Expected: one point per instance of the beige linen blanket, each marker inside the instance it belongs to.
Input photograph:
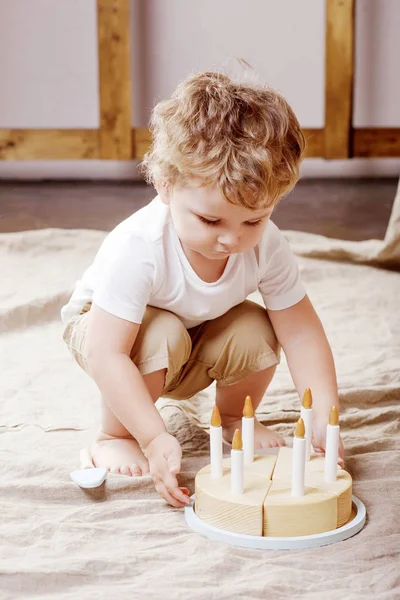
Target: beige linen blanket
(122, 541)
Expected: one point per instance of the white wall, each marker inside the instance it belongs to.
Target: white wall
(48, 55)
(283, 40)
(48, 66)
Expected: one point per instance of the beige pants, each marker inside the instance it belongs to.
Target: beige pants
(227, 349)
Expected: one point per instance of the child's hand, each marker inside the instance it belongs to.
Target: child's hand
(319, 440)
(164, 455)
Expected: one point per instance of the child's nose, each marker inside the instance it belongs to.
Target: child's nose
(228, 239)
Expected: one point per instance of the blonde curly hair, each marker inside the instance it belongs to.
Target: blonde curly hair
(243, 138)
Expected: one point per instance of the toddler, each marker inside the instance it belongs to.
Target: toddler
(163, 309)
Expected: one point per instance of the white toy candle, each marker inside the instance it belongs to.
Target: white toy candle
(332, 445)
(299, 459)
(216, 443)
(307, 414)
(237, 464)
(248, 431)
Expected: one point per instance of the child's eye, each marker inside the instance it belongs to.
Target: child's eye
(207, 221)
(253, 223)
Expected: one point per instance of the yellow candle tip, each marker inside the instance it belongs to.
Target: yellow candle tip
(300, 430)
(248, 410)
(307, 399)
(334, 416)
(215, 417)
(237, 440)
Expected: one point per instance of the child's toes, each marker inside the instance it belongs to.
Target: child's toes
(268, 444)
(125, 470)
(281, 442)
(144, 466)
(135, 470)
(115, 470)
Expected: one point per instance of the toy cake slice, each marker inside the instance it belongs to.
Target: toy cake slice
(216, 505)
(314, 477)
(287, 515)
(342, 488)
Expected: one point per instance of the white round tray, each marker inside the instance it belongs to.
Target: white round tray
(279, 543)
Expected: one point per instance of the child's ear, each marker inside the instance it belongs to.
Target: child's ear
(163, 190)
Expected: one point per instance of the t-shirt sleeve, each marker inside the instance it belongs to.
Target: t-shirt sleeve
(279, 278)
(127, 280)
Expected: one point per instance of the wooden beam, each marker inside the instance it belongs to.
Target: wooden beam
(141, 141)
(76, 144)
(339, 78)
(80, 144)
(376, 142)
(114, 79)
(314, 142)
(48, 144)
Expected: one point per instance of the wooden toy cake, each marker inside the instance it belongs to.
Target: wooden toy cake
(291, 494)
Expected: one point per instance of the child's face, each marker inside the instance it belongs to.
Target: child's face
(208, 224)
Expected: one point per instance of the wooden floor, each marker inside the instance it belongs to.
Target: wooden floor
(347, 209)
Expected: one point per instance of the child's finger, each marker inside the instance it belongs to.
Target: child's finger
(179, 494)
(171, 484)
(169, 498)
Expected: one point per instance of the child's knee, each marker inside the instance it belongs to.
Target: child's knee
(254, 326)
(250, 344)
(162, 343)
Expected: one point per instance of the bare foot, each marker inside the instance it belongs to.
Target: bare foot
(263, 437)
(119, 455)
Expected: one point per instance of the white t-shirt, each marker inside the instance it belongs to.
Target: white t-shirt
(141, 262)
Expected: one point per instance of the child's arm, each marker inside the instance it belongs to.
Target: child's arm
(108, 345)
(310, 361)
